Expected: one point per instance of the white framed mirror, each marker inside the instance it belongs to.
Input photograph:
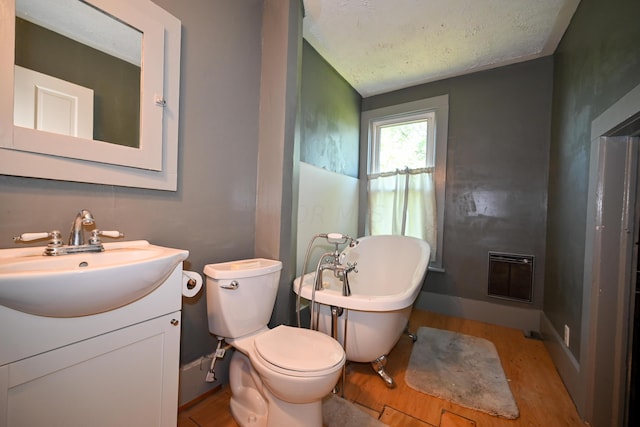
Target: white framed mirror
(101, 79)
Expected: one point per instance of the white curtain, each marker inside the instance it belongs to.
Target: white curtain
(403, 202)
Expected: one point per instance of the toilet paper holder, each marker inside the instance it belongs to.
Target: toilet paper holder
(191, 283)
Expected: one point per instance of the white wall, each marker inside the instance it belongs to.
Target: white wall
(328, 203)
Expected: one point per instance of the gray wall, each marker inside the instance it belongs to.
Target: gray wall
(330, 117)
(213, 212)
(597, 62)
(497, 166)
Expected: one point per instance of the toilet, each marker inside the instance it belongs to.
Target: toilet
(277, 376)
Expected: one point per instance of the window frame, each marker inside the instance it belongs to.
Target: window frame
(437, 106)
(412, 117)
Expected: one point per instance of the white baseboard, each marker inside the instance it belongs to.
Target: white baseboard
(192, 379)
(526, 319)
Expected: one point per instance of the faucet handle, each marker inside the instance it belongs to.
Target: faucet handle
(55, 235)
(351, 266)
(27, 237)
(95, 235)
(111, 233)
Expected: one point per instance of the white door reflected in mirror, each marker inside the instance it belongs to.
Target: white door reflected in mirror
(52, 105)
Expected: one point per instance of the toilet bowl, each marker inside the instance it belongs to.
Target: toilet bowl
(277, 376)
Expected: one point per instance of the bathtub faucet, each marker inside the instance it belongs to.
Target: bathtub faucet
(335, 261)
(331, 265)
(340, 271)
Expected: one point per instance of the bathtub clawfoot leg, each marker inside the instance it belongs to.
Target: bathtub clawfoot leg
(411, 335)
(378, 366)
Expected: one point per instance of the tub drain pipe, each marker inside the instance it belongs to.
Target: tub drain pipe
(336, 312)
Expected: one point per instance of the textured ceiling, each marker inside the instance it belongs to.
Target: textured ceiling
(383, 45)
(85, 24)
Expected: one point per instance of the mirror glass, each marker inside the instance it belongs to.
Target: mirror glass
(77, 72)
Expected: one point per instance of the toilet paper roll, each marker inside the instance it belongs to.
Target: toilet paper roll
(191, 283)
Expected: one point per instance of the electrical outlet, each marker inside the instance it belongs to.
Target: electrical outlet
(566, 335)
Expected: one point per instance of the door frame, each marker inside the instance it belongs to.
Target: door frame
(609, 249)
(611, 232)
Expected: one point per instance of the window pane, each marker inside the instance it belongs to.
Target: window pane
(403, 145)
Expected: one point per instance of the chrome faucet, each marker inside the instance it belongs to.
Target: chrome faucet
(321, 268)
(76, 236)
(334, 261)
(342, 271)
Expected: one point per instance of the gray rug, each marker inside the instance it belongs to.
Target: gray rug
(460, 368)
(338, 412)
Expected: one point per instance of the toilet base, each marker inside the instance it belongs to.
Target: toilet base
(279, 414)
(282, 413)
(253, 405)
(245, 416)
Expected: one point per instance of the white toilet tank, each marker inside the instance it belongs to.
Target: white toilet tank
(241, 295)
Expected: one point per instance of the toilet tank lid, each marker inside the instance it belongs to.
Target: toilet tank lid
(242, 268)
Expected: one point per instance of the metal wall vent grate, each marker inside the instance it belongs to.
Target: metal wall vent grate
(511, 276)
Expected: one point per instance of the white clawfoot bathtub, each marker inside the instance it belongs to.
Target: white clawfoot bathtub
(390, 273)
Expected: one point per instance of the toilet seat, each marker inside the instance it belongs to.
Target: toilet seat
(298, 351)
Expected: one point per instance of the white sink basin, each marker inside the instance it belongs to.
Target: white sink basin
(86, 283)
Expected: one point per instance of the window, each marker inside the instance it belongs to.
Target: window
(402, 142)
(404, 183)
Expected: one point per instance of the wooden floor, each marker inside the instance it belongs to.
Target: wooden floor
(539, 393)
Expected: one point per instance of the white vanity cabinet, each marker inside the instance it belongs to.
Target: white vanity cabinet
(118, 368)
